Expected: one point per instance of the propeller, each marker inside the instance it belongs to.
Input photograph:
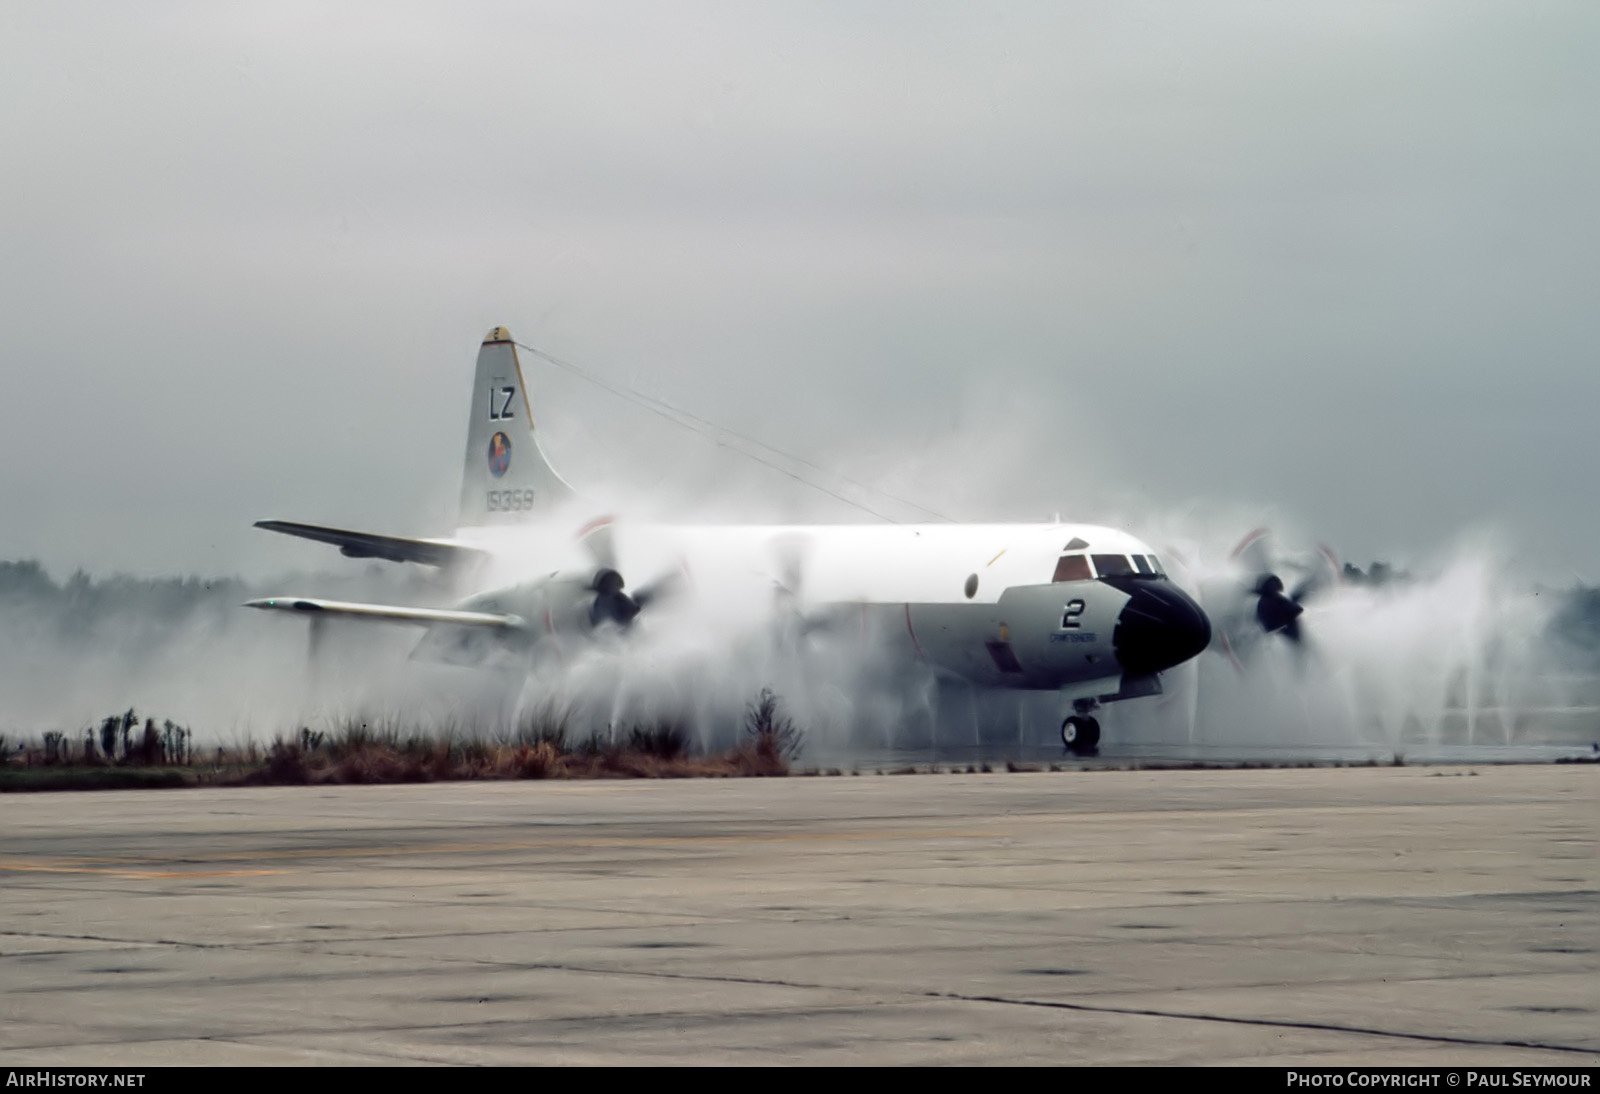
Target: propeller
(788, 554)
(598, 539)
(798, 617)
(1278, 608)
(612, 602)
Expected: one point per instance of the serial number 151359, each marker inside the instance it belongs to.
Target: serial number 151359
(510, 501)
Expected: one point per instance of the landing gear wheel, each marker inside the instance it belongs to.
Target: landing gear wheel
(1081, 735)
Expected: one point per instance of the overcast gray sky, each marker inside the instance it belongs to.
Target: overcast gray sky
(1333, 261)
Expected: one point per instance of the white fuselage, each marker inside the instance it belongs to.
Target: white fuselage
(979, 601)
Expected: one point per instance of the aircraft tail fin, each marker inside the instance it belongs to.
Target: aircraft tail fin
(506, 478)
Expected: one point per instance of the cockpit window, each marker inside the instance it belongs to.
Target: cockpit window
(1072, 568)
(1112, 565)
(1129, 566)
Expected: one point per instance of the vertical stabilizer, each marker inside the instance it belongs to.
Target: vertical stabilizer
(507, 478)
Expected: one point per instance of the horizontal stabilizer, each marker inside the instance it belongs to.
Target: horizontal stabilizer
(430, 552)
(422, 617)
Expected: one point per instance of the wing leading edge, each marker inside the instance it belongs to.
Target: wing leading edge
(444, 553)
(422, 617)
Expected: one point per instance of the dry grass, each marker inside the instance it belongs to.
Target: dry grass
(378, 751)
(361, 757)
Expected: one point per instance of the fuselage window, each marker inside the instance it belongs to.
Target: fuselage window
(1142, 564)
(1112, 565)
(1155, 564)
(1072, 568)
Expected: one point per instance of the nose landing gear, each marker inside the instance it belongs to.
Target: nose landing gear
(1081, 735)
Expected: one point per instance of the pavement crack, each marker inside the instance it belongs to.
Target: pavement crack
(1277, 1023)
(1090, 1008)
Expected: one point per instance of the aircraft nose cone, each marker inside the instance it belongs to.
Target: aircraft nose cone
(1160, 626)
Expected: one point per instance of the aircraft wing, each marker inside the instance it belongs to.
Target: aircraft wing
(422, 617)
(429, 552)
